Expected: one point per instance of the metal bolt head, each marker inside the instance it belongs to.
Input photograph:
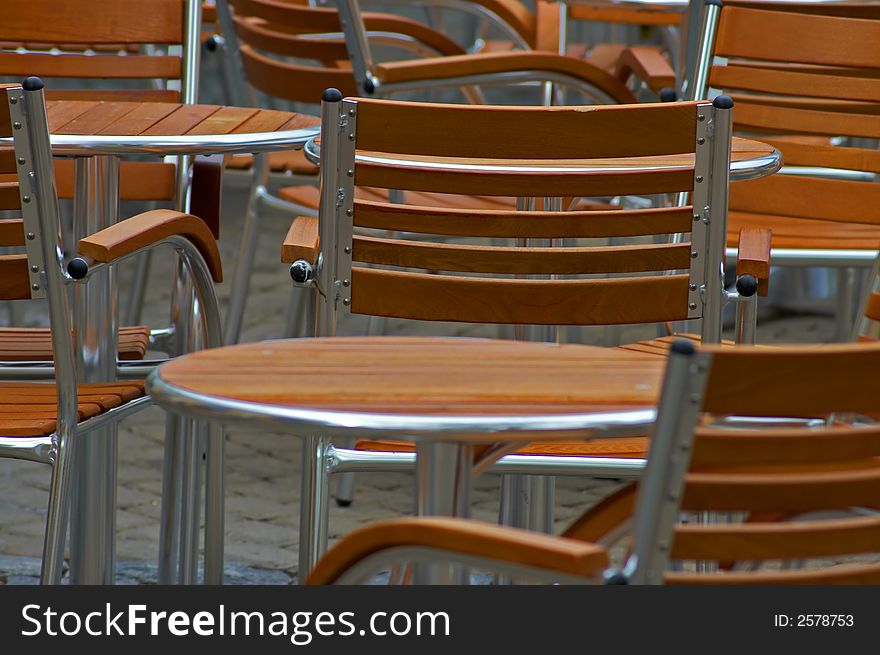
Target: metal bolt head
(351, 136)
(25, 198)
(351, 112)
(13, 100)
(16, 125)
(21, 161)
(701, 117)
(346, 301)
(699, 178)
(346, 283)
(348, 212)
(701, 141)
(692, 287)
(350, 173)
(35, 287)
(35, 268)
(347, 250)
(696, 217)
(31, 236)
(692, 305)
(694, 254)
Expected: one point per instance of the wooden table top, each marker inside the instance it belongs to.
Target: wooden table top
(114, 118)
(418, 375)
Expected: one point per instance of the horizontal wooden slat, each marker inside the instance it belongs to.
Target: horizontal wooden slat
(808, 197)
(11, 232)
(793, 82)
(804, 492)
(535, 261)
(554, 182)
(781, 540)
(89, 22)
(791, 232)
(9, 195)
(113, 95)
(795, 153)
(541, 302)
(806, 121)
(552, 133)
(787, 36)
(780, 381)
(305, 19)
(14, 281)
(90, 66)
(293, 81)
(528, 225)
(719, 447)
(138, 180)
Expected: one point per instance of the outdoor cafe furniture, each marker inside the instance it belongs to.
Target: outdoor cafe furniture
(789, 505)
(565, 152)
(47, 422)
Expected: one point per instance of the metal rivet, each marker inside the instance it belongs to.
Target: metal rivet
(21, 161)
(699, 178)
(701, 117)
(13, 100)
(347, 250)
(351, 112)
(693, 287)
(701, 141)
(346, 301)
(692, 305)
(351, 137)
(350, 172)
(16, 125)
(346, 283)
(25, 198)
(696, 217)
(35, 268)
(348, 212)
(31, 236)
(35, 287)
(694, 254)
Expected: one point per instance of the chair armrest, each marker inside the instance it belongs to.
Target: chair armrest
(302, 241)
(206, 191)
(462, 66)
(143, 230)
(462, 537)
(442, 44)
(647, 64)
(753, 256)
(514, 14)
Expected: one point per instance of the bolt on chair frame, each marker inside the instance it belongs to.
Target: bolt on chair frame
(49, 277)
(328, 269)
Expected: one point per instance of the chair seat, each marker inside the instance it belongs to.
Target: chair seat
(30, 409)
(791, 232)
(35, 344)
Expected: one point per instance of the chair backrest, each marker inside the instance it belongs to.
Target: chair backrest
(804, 77)
(292, 50)
(825, 476)
(36, 273)
(543, 153)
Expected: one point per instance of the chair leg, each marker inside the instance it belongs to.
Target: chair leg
(56, 516)
(314, 506)
(243, 268)
(214, 505)
(172, 484)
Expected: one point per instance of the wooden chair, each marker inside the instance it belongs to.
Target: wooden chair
(113, 51)
(822, 480)
(290, 51)
(812, 95)
(42, 422)
(560, 152)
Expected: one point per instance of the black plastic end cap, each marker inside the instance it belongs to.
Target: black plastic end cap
(616, 578)
(300, 271)
(369, 86)
(331, 95)
(211, 43)
(746, 286)
(723, 102)
(683, 347)
(343, 502)
(668, 94)
(32, 83)
(77, 268)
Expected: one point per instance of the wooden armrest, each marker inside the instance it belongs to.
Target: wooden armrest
(302, 241)
(462, 537)
(438, 68)
(418, 31)
(515, 14)
(753, 256)
(648, 64)
(148, 228)
(206, 191)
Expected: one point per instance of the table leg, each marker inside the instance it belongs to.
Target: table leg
(314, 503)
(93, 519)
(443, 476)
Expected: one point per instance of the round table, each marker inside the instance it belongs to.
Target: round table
(446, 394)
(97, 134)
